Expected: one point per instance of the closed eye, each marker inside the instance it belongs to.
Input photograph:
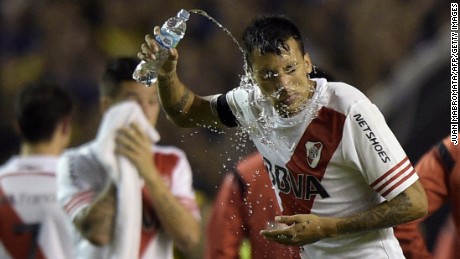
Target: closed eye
(290, 69)
(269, 75)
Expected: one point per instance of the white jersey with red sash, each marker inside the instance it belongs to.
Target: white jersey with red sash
(81, 178)
(32, 222)
(336, 158)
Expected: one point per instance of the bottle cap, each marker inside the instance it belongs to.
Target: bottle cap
(184, 14)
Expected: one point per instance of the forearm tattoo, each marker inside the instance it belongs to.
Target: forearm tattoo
(385, 215)
(178, 108)
(174, 108)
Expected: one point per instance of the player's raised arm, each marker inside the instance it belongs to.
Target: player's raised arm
(183, 107)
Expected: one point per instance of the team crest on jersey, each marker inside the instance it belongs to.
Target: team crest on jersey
(313, 150)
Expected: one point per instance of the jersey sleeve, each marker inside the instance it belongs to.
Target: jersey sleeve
(238, 101)
(219, 105)
(371, 147)
(225, 228)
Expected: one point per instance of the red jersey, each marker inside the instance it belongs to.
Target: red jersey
(440, 176)
(243, 207)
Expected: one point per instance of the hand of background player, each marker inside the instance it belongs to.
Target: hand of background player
(134, 143)
(301, 229)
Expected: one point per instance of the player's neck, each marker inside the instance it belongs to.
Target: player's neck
(312, 87)
(28, 149)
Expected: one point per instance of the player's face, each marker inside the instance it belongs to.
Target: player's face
(283, 78)
(146, 97)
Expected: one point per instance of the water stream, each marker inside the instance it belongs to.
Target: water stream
(265, 123)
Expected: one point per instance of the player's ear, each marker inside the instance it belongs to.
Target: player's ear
(308, 63)
(66, 124)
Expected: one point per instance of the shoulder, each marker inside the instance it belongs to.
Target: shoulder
(8, 165)
(82, 150)
(250, 164)
(76, 155)
(169, 154)
(168, 150)
(251, 169)
(344, 90)
(343, 97)
(242, 95)
(79, 159)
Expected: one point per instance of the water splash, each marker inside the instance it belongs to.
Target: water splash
(263, 126)
(203, 13)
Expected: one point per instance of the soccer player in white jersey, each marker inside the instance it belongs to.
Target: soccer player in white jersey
(32, 222)
(341, 178)
(170, 214)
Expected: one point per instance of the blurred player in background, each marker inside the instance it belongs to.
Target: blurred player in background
(245, 205)
(169, 211)
(32, 222)
(439, 173)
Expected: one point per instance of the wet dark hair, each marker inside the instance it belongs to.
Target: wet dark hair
(117, 70)
(39, 108)
(269, 35)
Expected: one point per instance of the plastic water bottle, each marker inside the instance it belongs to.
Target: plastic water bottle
(172, 31)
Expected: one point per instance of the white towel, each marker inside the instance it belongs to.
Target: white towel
(127, 232)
